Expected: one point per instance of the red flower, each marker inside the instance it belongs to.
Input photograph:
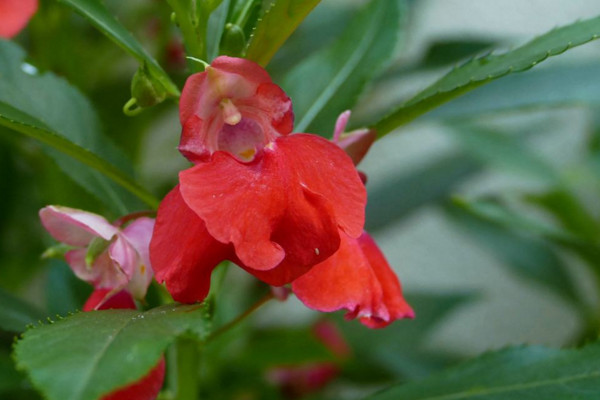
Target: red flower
(272, 202)
(357, 278)
(14, 15)
(146, 388)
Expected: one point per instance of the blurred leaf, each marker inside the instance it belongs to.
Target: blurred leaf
(400, 349)
(339, 72)
(506, 151)
(99, 16)
(16, 314)
(529, 257)
(555, 86)
(65, 293)
(48, 109)
(402, 194)
(483, 70)
(570, 212)
(13, 385)
(216, 25)
(517, 373)
(446, 52)
(86, 355)
(275, 26)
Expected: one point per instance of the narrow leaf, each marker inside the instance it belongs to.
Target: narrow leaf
(100, 17)
(276, 25)
(61, 117)
(87, 355)
(485, 69)
(404, 193)
(557, 86)
(504, 234)
(330, 81)
(517, 373)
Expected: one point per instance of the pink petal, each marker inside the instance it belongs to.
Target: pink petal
(75, 227)
(182, 252)
(103, 274)
(138, 235)
(340, 125)
(358, 279)
(14, 15)
(357, 143)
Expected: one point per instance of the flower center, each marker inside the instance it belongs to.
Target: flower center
(243, 140)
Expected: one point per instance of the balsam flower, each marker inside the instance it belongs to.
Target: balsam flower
(357, 277)
(148, 387)
(103, 254)
(14, 15)
(272, 202)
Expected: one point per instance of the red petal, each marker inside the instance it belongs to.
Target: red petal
(286, 203)
(392, 291)
(182, 252)
(357, 278)
(120, 300)
(14, 15)
(324, 168)
(246, 68)
(145, 389)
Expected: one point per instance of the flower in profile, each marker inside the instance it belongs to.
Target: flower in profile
(101, 253)
(273, 202)
(146, 388)
(14, 15)
(357, 277)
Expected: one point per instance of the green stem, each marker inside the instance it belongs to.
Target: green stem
(187, 363)
(240, 317)
(192, 28)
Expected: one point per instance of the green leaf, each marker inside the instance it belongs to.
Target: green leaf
(330, 81)
(276, 25)
(485, 69)
(48, 109)
(517, 373)
(402, 194)
(16, 314)
(101, 18)
(561, 85)
(89, 354)
(502, 233)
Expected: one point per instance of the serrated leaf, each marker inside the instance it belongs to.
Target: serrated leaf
(48, 109)
(275, 26)
(100, 17)
(86, 355)
(562, 85)
(338, 73)
(16, 314)
(485, 69)
(517, 373)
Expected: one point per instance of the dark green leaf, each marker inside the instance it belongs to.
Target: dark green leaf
(275, 26)
(531, 258)
(451, 51)
(58, 115)
(403, 194)
(339, 72)
(65, 293)
(485, 69)
(98, 15)
(518, 373)
(86, 355)
(16, 314)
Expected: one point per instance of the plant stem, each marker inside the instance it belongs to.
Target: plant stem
(240, 317)
(188, 362)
